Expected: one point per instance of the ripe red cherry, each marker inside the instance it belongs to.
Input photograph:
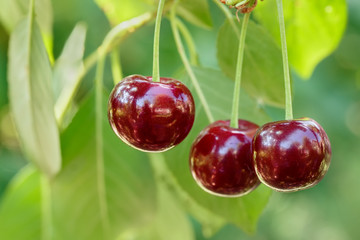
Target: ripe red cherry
(151, 116)
(221, 160)
(291, 155)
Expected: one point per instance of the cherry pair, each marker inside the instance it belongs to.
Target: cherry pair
(287, 156)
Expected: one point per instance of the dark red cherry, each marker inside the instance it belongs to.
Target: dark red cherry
(151, 116)
(291, 155)
(221, 160)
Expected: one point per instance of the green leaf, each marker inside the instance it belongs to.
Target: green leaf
(31, 99)
(129, 182)
(195, 12)
(67, 69)
(118, 11)
(210, 222)
(348, 52)
(170, 220)
(169, 214)
(244, 211)
(263, 76)
(13, 11)
(313, 29)
(20, 211)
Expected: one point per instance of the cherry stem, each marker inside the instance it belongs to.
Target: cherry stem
(116, 66)
(194, 58)
(156, 68)
(238, 74)
(174, 26)
(100, 171)
(288, 97)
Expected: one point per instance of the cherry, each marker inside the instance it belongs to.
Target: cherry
(151, 116)
(221, 160)
(291, 155)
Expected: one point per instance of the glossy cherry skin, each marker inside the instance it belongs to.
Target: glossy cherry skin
(291, 155)
(151, 116)
(221, 160)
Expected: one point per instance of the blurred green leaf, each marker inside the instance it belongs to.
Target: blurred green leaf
(13, 11)
(169, 214)
(348, 52)
(263, 76)
(244, 211)
(218, 90)
(68, 67)
(129, 182)
(118, 11)
(210, 222)
(195, 12)
(170, 220)
(10, 163)
(30, 95)
(172, 216)
(20, 211)
(313, 29)
(3, 65)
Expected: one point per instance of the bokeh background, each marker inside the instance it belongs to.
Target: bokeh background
(330, 211)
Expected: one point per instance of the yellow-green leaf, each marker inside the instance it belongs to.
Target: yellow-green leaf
(314, 29)
(118, 11)
(31, 98)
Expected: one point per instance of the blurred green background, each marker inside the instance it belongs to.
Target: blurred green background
(331, 210)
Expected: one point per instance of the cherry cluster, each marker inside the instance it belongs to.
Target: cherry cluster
(228, 158)
(287, 155)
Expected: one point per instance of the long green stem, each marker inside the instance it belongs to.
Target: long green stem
(100, 145)
(156, 62)
(116, 66)
(288, 97)
(239, 66)
(194, 58)
(187, 65)
(46, 209)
